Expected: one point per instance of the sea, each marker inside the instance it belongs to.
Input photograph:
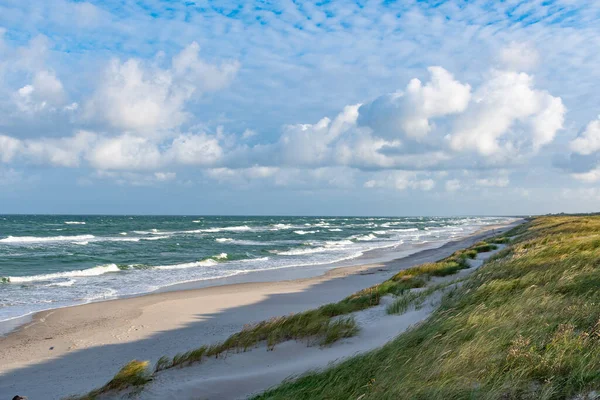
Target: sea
(53, 261)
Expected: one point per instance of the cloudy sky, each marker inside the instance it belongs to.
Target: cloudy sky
(291, 107)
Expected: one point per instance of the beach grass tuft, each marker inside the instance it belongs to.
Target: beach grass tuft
(134, 373)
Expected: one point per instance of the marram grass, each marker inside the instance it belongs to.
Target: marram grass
(524, 326)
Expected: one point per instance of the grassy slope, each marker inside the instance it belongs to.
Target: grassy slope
(525, 326)
(321, 325)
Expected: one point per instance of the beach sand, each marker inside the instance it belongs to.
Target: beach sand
(73, 350)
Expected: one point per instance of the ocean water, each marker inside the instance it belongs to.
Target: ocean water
(56, 261)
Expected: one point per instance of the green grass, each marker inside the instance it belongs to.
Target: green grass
(134, 373)
(524, 326)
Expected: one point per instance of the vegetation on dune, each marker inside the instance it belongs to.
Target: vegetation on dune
(134, 373)
(525, 326)
(321, 326)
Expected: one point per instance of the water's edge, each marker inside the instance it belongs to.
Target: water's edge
(369, 258)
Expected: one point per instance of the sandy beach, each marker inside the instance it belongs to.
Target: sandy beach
(73, 350)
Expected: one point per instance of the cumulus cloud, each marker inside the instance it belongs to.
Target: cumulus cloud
(507, 114)
(137, 96)
(46, 92)
(588, 141)
(63, 152)
(198, 149)
(409, 113)
(125, 152)
(590, 176)
(310, 144)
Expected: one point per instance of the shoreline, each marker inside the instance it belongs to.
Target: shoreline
(292, 272)
(109, 333)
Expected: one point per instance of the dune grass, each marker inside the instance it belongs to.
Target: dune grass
(524, 326)
(322, 326)
(134, 373)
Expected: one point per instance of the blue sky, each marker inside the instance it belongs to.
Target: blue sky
(331, 107)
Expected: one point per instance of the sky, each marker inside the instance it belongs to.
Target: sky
(299, 108)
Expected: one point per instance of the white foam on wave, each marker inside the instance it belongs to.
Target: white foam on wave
(123, 233)
(277, 227)
(336, 243)
(366, 238)
(203, 263)
(67, 283)
(222, 256)
(301, 232)
(156, 238)
(223, 240)
(335, 230)
(36, 239)
(85, 243)
(74, 222)
(95, 271)
(242, 228)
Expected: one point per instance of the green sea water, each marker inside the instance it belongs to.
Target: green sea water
(56, 261)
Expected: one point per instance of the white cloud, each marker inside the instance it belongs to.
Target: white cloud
(508, 104)
(9, 147)
(46, 92)
(589, 140)
(62, 152)
(408, 113)
(310, 144)
(136, 96)
(589, 176)
(125, 152)
(198, 149)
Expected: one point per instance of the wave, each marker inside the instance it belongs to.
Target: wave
(204, 263)
(156, 238)
(74, 222)
(95, 271)
(328, 247)
(242, 228)
(335, 243)
(366, 238)
(35, 239)
(335, 230)
(222, 256)
(67, 283)
(277, 227)
(301, 232)
(223, 240)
